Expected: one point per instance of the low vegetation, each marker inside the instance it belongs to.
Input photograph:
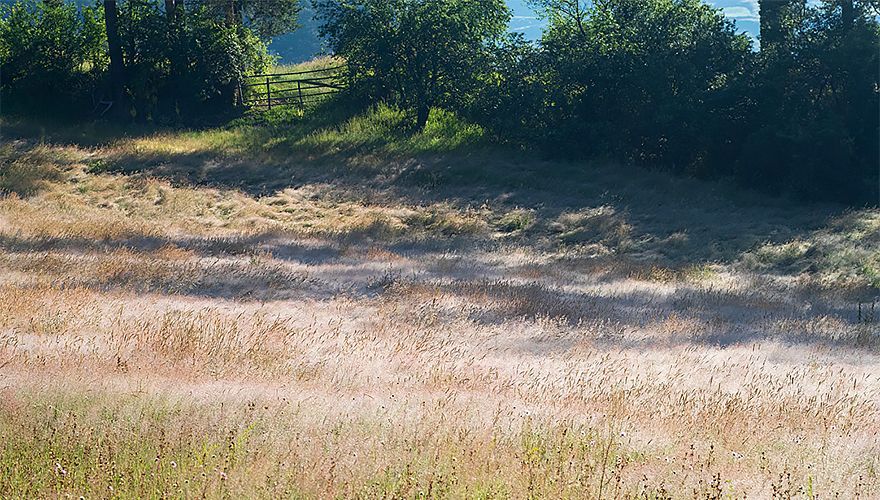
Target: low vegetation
(182, 317)
(452, 278)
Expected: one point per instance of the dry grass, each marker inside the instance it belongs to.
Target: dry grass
(164, 339)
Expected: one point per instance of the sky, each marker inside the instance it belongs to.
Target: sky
(744, 12)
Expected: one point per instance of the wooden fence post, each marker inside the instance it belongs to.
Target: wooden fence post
(268, 94)
(299, 91)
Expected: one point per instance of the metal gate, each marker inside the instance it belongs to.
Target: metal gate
(295, 88)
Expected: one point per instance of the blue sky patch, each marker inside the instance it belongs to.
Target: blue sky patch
(744, 12)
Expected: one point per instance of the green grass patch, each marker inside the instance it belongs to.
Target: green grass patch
(59, 443)
(287, 134)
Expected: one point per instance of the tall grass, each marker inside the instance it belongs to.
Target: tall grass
(344, 334)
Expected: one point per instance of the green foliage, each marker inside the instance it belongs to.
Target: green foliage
(50, 53)
(814, 102)
(55, 58)
(512, 99)
(669, 83)
(639, 80)
(414, 53)
(189, 69)
(264, 18)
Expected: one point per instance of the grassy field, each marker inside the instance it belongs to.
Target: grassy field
(303, 307)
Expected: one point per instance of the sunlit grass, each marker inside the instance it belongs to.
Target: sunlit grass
(357, 333)
(846, 252)
(101, 444)
(382, 130)
(314, 64)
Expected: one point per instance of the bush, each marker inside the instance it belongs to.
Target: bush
(670, 84)
(815, 107)
(638, 79)
(54, 58)
(512, 99)
(51, 56)
(211, 56)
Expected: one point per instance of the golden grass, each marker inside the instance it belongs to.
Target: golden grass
(162, 339)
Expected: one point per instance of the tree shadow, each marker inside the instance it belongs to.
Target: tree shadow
(610, 312)
(594, 209)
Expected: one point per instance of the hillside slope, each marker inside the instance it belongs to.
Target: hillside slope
(348, 311)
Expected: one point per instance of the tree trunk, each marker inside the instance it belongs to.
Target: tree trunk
(117, 66)
(233, 14)
(230, 92)
(173, 13)
(422, 113)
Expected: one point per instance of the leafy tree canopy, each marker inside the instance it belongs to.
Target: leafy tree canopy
(418, 53)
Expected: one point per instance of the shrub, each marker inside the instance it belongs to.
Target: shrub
(212, 55)
(51, 55)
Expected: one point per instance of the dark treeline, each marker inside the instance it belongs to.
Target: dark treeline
(177, 60)
(661, 83)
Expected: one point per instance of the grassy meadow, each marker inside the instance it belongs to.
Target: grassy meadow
(315, 304)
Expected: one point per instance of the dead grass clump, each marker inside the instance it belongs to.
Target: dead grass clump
(600, 225)
(844, 253)
(25, 172)
(63, 328)
(205, 340)
(499, 300)
(168, 270)
(664, 274)
(517, 221)
(46, 222)
(447, 221)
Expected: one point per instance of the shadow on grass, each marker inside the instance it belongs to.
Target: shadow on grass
(626, 212)
(271, 268)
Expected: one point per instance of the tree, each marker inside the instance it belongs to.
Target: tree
(564, 14)
(778, 19)
(117, 65)
(50, 54)
(416, 53)
(265, 18)
(186, 70)
(815, 128)
(639, 79)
